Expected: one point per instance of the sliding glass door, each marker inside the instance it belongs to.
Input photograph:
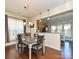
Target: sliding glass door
(53, 28)
(64, 29)
(15, 26)
(67, 30)
(59, 28)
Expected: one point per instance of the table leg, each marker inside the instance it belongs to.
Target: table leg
(16, 45)
(29, 51)
(43, 48)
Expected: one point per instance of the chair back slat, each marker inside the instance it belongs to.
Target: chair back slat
(28, 34)
(19, 38)
(36, 35)
(40, 40)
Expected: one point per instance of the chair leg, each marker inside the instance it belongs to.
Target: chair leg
(37, 54)
(42, 52)
(21, 49)
(18, 47)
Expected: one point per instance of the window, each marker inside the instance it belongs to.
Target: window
(59, 28)
(67, 30)
(53, 28)
(15, 26)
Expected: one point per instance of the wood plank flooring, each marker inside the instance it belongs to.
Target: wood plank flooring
(11, 52)
(67, 50)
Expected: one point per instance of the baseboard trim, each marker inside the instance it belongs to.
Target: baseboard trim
(53, 48)
(10, 43)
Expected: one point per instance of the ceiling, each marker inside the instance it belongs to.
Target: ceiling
(35, 6)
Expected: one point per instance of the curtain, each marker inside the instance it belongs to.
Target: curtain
(6, 29)
(24, 25)
(15, 27)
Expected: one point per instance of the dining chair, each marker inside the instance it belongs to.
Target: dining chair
(21, 46)
(36, 35)
(28, 34)
(39, 46)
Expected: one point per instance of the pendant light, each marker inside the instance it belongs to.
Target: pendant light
(48, 15)
(40, 17)
(24, 22)
(27, 4)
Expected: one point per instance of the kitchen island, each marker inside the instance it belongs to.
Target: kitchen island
(52, 40)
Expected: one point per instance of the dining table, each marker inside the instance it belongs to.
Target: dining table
(30, 41)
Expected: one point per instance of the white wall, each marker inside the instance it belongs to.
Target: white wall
(52, 40)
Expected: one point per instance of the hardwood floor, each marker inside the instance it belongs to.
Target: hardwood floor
(67, 50)
(66, 53)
